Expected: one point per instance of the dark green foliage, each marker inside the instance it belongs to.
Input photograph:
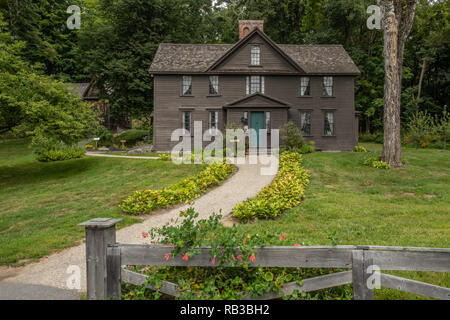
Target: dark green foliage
(132, 137)
(65, 153)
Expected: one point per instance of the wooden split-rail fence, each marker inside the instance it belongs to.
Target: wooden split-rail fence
(105, 259)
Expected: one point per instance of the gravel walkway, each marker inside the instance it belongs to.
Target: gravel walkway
(47, 278)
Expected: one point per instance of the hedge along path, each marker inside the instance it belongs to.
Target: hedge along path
(50, 273)
(286, 191)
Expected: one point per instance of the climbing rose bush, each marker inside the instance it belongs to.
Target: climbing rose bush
(185, 235)
(285, 192)
(188, 189)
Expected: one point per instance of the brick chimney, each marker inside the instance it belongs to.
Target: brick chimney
(246, 26)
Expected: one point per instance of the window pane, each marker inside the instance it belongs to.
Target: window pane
(329, 124)
(262, 84)
(255, 84)
(268, 121)
(186, 121)
(247, 85)
(328, 86)
(255, 56)
(305, 122)
(214, 85)
(245, 118)
(187, 85)
(304, 86)
(213, 119)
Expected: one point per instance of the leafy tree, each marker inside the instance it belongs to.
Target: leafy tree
(37, 105)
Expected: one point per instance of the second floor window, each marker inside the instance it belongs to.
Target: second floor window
(213, 85)
(213, 120)
(255, 56)
(329, 123)
(304, 86)
(187, 85)
(328, 86)
(186, 121)
(254, 84)
(305, 122)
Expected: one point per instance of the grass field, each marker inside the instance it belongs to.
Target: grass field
(349, 203)
(41, 203)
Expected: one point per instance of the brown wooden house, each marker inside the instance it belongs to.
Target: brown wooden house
(257, 84)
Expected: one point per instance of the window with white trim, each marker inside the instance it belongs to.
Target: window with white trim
(187, 85)
(305, 122)
(255, 56)
(329, 123)
(268, 121)
(186, 120)
(254, 84)
(213, 85)
(304, 86)
(328, 86)
(213, 120)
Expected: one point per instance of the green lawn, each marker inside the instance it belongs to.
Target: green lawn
(41, 203)
(349, 203)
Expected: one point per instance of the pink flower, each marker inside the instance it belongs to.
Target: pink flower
(174, 246)
(144, 234)
(252, 257)
(186, 257)
(214, 260)
(234, 258)
(239, 257)
(132, 267)
(282, 237)
(167, 256)
(245, 240)
(297, 245)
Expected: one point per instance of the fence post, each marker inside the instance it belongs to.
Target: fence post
(360, 263)
(100, 233)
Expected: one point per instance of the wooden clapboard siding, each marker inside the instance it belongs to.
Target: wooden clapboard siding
(169, 103)
(269, 58)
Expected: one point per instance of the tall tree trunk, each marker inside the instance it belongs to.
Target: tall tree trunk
(392, 143)
(397, 27)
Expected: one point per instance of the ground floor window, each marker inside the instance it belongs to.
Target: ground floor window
(329, 123)
(213, 120)
(186, 121)
(268, 121)
(305, 122)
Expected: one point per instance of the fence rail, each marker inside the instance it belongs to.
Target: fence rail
(105, 258)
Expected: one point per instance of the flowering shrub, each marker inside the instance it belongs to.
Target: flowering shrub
(375, 162)
(284, 193)
(188, 189)
(360, 149)
(229, 247)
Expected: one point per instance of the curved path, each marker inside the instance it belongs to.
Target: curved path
(47, 278)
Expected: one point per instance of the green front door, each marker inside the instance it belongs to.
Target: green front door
(256, 123)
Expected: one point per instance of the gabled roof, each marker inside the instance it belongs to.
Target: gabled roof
(79, 89)
(202, 58)
(244, 40)
(261, 100)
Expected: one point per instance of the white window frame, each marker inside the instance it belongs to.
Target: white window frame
(250, 86)
(305, 86)
(183, 120)
(213, 125)
(213, 85)
(255, 55)
(186, 86)
(326, 118)
(328, 86)
(304, 121)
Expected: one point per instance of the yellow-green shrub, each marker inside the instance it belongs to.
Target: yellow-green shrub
(183, 191)
(285, 192)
